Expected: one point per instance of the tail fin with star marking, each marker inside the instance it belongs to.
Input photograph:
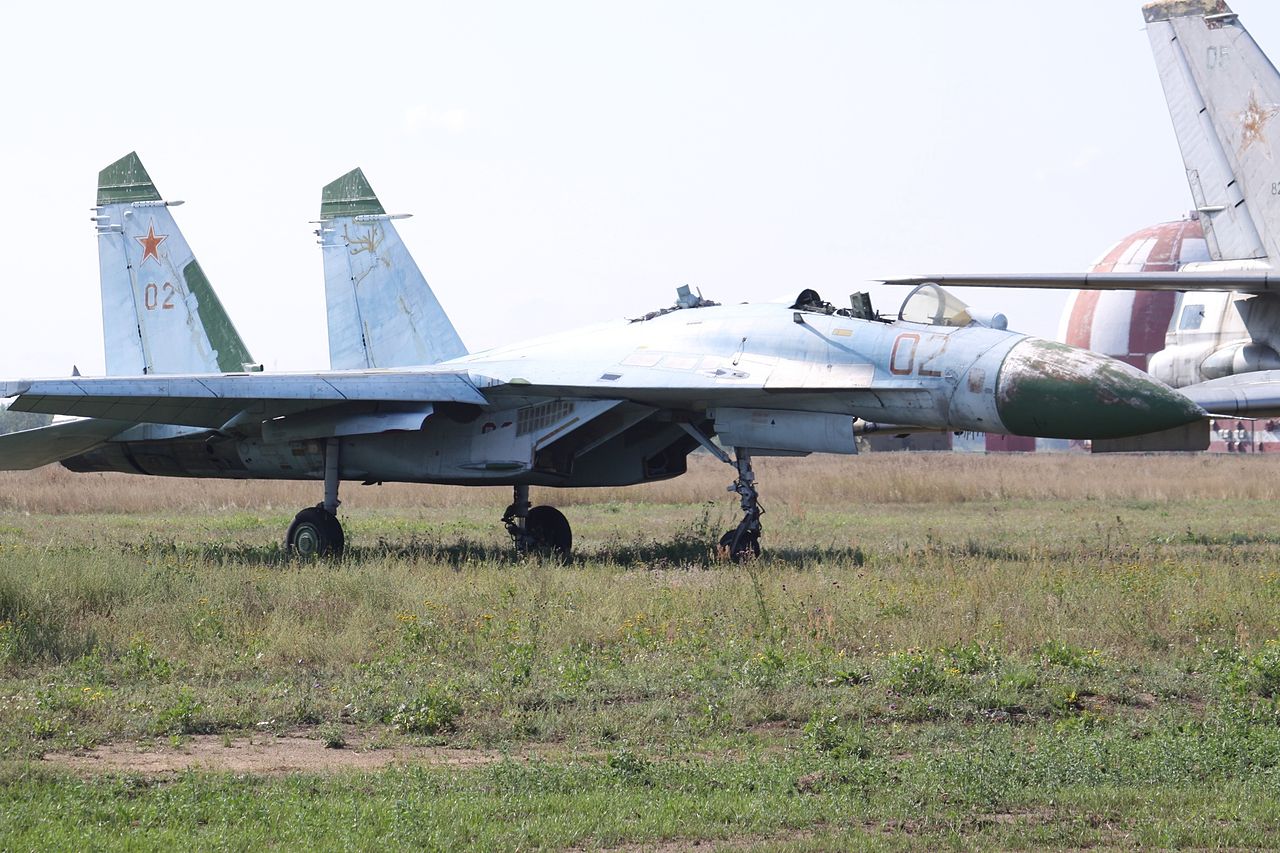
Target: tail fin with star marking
(1223, 95)
(159, 312)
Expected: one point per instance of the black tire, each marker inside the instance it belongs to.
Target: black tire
(550, 531)
(315, 533)
(746, 548)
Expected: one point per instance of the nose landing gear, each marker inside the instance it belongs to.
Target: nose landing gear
(539, 529)
(743, 542)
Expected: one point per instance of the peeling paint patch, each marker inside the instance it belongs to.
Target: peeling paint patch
(1058, 391)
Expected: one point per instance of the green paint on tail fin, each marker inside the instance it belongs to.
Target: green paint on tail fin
(233, 355)
(124, 181)
(349, 195)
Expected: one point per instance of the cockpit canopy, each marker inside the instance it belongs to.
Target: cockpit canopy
(933, 305)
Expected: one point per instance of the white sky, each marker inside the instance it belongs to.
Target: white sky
(569, 162)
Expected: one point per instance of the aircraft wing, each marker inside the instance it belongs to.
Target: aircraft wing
(1246, 281)
(31, 448)
(211, 401)
(1246, 395)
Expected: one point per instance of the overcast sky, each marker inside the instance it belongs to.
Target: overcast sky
(573, 162)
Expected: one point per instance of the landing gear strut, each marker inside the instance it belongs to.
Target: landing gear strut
(539, 529)
(316, 531)
(743, 542)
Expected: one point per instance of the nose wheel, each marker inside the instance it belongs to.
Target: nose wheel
(539, 529)
(316, 531)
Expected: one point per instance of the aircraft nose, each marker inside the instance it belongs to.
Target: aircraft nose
(1053, 390)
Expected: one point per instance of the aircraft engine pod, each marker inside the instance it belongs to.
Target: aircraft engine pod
(798, 432)
(1240, 358)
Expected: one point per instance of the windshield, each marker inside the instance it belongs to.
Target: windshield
(932, 305)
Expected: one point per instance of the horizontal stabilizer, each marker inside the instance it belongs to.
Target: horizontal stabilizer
(211, 401)
(22, 451)
(1246, 281)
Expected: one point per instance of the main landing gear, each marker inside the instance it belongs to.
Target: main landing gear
(539, 529)
(316, 531)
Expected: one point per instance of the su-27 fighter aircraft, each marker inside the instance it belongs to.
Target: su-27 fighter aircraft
(1223, 345)
(616, 404)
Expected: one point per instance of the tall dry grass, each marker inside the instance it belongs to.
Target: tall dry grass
(871, 479)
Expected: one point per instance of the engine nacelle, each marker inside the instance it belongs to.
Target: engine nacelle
(1239, 358)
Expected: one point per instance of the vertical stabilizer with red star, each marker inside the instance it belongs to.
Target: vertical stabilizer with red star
(1224, 98)
(159, 312)
(382, 313)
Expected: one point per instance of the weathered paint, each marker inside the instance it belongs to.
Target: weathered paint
(1163, 10)
(1052, 390)
(381, 311)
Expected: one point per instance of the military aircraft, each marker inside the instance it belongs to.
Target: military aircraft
(1222, 348)
(620, 403)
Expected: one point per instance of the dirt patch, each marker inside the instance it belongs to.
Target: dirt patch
(264, 755)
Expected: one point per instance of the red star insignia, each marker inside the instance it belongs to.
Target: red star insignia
(1253, 122)
(151, 244)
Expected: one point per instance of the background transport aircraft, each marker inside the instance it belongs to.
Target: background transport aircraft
(615, 404)
(1222, 345)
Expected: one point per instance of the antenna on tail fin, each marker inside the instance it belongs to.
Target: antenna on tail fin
(382, 312)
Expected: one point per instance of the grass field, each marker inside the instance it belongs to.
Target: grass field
(935, 651)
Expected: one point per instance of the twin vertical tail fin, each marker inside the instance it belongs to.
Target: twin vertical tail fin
(381, 310)
(1224, 99)
(159, 312)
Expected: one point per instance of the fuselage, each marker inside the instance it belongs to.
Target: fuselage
(612, 404)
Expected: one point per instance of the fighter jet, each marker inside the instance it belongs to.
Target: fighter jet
(1223, 344)
(619, 403)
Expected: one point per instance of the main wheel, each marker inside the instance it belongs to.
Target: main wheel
(549, 530)
(315, 533)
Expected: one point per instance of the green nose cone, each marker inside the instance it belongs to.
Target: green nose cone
(1052, 390)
